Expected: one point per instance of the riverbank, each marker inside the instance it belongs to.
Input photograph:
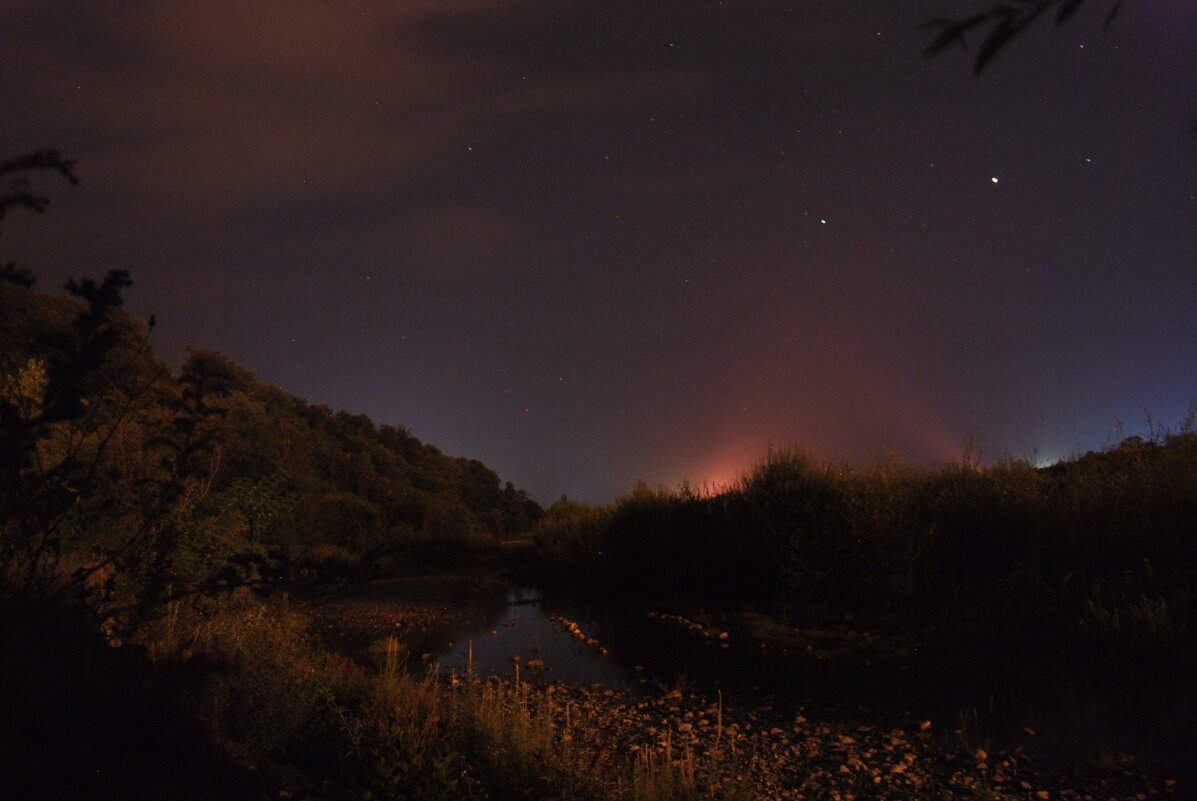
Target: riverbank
(421, 606)
(709, 740)
(761, 754)
(1097, 552)
(1065, 706)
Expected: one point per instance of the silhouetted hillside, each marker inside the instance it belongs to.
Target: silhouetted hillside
(296, 489)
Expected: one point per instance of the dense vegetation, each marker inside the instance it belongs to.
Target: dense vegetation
(144, 517)
(1103, 545)
(221, 476)
(140, 511)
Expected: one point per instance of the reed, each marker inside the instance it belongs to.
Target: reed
(1011, 543)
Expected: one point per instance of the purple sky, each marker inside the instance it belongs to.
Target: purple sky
(594, 242)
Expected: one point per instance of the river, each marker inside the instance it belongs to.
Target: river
(1062, 716)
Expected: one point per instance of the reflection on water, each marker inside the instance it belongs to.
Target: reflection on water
(1073, 717)
(524, 632)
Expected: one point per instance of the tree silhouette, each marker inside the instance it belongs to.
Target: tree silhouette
(64, 393)
(1004, 22)
(19, 195)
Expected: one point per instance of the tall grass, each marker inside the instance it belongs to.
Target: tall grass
(271, 697)
(1103, 544)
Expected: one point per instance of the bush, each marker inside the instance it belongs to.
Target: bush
(1013, 543)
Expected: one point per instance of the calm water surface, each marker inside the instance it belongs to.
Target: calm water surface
(522, 632)
(1074, 717)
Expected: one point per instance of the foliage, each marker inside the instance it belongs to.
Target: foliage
(16, 172)
(1062, 547)
(1005, 22)
(64, 393)
(145, 481)
(571, 530)
(138, 508)
(126, 488)
(1141, 609)
(270, 696)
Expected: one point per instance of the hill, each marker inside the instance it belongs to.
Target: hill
(227, 468)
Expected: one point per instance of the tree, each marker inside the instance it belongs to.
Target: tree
(45, 395)
(1004, 22)
(19, 195)
(74, 379)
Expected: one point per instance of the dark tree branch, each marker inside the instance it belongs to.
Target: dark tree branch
(1004, 22)
(18, 194)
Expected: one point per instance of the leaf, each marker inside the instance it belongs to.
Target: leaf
(953, 31)
(1002, 36)
(1006, 21)
(1067, 9)
(1113, 13)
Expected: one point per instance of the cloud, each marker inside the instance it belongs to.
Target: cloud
(206, 115)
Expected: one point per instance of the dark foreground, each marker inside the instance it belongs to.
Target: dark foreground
(651, 736)
(334, 697)
(759, 754)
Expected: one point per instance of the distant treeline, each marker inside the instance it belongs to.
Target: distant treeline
(120, 468)
(1104, 544)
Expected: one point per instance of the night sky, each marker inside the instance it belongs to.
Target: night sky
(589, 243)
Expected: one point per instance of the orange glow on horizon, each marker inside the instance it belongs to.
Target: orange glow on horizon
(723, 470)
